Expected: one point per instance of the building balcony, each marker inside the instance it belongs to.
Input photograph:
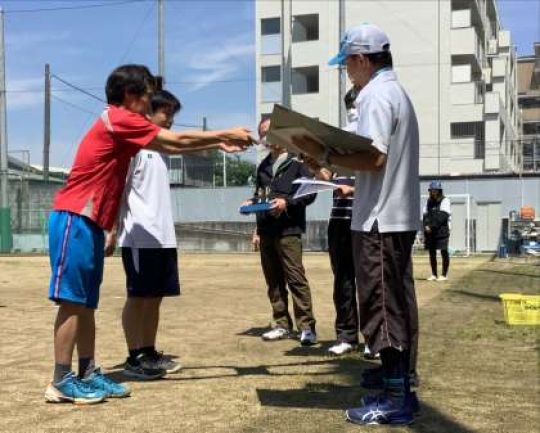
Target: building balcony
(493, 103)
(271, 44)
(498, 68)
(530, 114)
(504, 39)
(466, 46)
(271, 91)
(467, 93)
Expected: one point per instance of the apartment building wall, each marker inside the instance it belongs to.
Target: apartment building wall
(529, 104)
(462, 83)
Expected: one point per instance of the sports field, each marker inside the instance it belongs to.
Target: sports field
(478, 375)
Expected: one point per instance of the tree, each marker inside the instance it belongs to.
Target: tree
(239, 171)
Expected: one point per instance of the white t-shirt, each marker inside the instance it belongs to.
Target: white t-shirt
(145, 219)
(390, 196)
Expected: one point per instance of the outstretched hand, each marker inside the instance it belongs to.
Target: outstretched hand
(239, 137)
(231, 147)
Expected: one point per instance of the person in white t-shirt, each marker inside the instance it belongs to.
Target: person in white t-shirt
(149, 251)
(385, 220)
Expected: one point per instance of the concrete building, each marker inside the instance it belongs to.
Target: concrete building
(452, 56)
(529, 104)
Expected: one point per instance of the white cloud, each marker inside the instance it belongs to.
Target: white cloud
(24, 93)
(26, 40)
(229, 120)
(210, 62)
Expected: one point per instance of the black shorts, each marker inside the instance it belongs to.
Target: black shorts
(151, 272)
(385, 285)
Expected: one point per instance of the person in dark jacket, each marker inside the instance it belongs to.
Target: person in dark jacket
(279, 237)
(436, 222)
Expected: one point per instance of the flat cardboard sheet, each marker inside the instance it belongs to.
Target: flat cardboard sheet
(286, 123)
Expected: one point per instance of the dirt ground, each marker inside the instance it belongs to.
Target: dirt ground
(478, 375)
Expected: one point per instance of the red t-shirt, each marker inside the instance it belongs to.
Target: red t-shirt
(96, 182)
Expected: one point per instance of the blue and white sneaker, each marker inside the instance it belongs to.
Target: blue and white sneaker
(71, 389)
(411, 400)
(382, 411)
(99, 381)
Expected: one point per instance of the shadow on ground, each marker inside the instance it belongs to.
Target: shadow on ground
(336, 397)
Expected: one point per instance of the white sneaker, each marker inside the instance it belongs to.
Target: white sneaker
(277, 333)
(442, 278)
(341, 348)
(432, 278)
(369, 355)
(308, 338)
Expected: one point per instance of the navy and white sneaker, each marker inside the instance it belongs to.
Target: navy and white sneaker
(381, 411)
(308, 337)
(411, 400)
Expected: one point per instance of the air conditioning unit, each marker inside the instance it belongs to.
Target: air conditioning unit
(493, 46)
(504, 39)
(486, 74)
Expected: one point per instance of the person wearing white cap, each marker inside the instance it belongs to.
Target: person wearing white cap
(385, 219)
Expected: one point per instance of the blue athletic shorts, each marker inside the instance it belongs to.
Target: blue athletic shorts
(76, 251)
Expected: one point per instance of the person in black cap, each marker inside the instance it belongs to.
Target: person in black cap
(436, 222)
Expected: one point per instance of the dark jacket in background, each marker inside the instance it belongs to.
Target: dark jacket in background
(293, 220)
(437, 221)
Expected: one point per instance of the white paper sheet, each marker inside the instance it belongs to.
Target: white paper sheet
(312, 186)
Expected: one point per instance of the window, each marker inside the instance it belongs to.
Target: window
(305, 80)
(474, 130)
(271, 83)
(466, 129)
(305, 28)
(531, 128)
(529, 102)
(270, 36)
(271, 74)
(270, 26)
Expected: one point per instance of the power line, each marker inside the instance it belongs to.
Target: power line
(63, 8)
(136, 33)
(77, 107)
(88, 88)
(73, 86)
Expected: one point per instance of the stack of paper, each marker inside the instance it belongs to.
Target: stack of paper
(312, 186)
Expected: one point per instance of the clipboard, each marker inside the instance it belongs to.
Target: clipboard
(255, 208)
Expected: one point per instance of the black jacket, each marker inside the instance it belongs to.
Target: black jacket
(293, 220)
(436, 220)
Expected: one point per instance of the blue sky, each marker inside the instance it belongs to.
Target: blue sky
(210, 61)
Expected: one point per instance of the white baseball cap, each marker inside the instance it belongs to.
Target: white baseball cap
(362, 39)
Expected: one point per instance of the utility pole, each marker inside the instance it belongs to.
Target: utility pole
(5, 215)
(341, 71)
(161, 39)
(286, 43)
(47, 124)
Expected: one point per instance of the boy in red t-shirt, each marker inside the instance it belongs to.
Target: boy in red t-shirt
(87, 206)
